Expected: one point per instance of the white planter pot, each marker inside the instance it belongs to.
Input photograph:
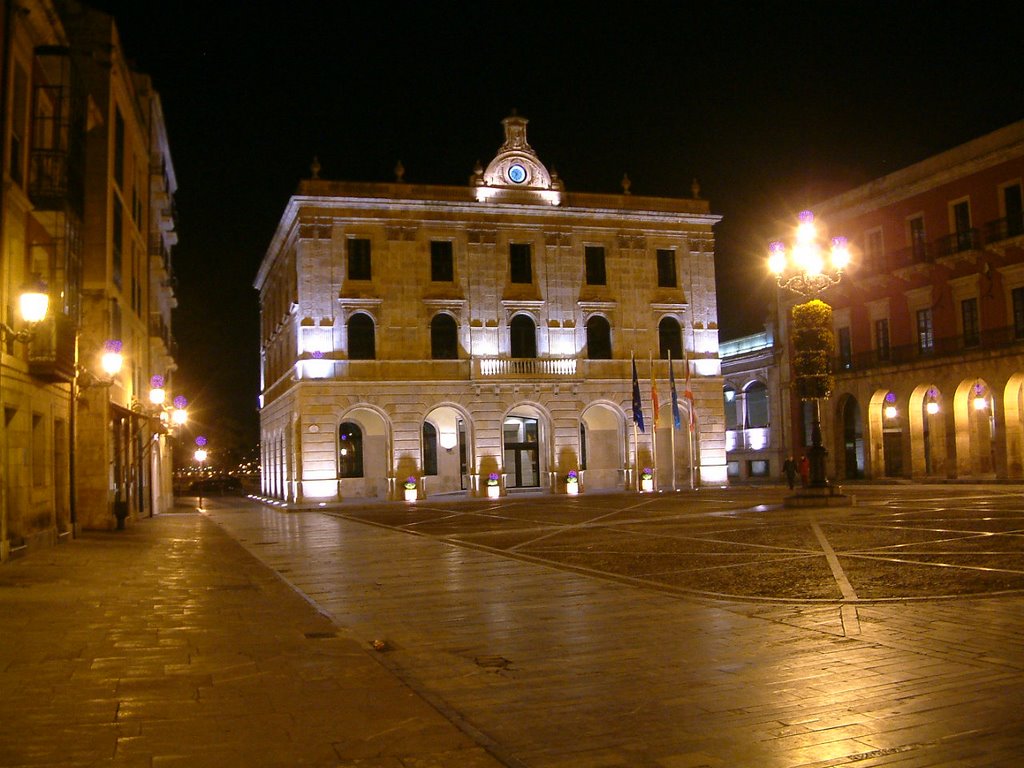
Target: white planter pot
(572, 488)
(493, 491)
(647, 486)
(410, 494)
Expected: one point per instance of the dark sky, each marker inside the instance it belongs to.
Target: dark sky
(770, 105)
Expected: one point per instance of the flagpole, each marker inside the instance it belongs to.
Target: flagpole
(654, 418)
(675, 409)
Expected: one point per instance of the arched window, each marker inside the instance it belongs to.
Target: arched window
(523, 337)
(444, 342)
(361, 341)
(731, 419)
(599, 339)
(670, 338)
(429, 448)
(350, 450)
(757, 405)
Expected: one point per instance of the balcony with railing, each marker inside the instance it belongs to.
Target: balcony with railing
(989, 340)
(968, 240)
(750, 439)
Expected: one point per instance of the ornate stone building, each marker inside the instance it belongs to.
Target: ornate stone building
(450, 333)
(929, 320)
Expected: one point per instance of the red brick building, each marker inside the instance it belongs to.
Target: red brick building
(929, 320)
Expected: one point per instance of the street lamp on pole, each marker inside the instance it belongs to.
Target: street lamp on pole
(808, 267)
(200, 457)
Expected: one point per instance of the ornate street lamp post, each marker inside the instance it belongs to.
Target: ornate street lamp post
(808, 268)
(200, 457)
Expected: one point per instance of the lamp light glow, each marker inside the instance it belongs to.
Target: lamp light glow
(112, 359)
(891, 412)
(931, 407)
(33, 303)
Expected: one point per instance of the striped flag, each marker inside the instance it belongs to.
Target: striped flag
(687, 392)
(677, 421)
(638, 411)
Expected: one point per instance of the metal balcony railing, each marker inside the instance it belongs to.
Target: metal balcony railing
(988, 340)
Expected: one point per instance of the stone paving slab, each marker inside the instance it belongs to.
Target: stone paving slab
(564, 668)
(168, 646)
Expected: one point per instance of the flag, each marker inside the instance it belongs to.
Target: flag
(677, 421)
(654, 398)
(638, 411)
(687, 392)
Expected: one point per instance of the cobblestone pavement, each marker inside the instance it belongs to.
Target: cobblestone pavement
(556, 660)
(741, 543)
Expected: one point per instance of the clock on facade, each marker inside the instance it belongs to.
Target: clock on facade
(516, 173)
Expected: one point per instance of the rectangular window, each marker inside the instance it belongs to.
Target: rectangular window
(961, 213)
(666, 268)
(969, 315)
(442, 268)
(925, 336)
(873, 248)
(845, 349)
(594, 256)
(519, 259)
(1013, 207)
(19, 124)
(917, 237)
(358, 259)
(117, 242)
(118, 148)
(882, 338)
(39, 452)
(1018, 313)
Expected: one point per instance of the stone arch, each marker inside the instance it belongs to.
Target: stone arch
(526, 445)
(377, 468)
(927, 432)
(849, 453)
(885, 428)
(602, 446)
(1013, 416)
(522, 336)
(599, 338)
(455, 454)
(974, 420)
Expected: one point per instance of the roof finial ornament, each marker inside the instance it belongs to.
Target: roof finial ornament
(399, 172)
(626, 184)
(695, 189)
(315, 167)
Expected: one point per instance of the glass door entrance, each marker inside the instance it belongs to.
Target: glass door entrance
(521, 442)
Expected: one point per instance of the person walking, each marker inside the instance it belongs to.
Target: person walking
(789, 470)
(805, 471)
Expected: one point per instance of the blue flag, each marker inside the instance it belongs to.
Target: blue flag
(638, 411)
(676, 418)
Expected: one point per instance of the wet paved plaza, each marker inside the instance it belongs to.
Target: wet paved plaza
(708, 629)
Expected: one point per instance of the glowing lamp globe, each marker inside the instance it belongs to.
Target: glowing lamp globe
(33, 303)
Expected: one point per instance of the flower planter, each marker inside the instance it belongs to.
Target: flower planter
(647, 484)
(493, 491)
(410, 494)
(572, 488)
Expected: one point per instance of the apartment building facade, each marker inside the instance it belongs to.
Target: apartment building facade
(444, 336)
(929, 320)
(81, 132)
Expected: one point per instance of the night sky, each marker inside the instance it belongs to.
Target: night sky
(769, 105)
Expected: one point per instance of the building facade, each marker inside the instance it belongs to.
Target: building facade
(448, 334)
(929, 320)
(755, 440)
(78, 209)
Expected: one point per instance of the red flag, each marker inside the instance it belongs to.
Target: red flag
(687, 392)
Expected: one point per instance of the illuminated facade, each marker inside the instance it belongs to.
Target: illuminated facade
(450, 333)
(81, 136)
(754, 441)
(929, 320)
